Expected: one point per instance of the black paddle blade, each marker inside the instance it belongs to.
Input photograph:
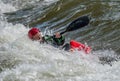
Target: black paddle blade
(78, 23)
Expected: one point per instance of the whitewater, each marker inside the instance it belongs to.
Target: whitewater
(22, 59)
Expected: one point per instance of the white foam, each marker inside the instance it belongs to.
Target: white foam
(21, 4)
(25, 60)
(6, 7)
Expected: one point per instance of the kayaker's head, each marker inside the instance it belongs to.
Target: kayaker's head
(57, 35)
(34, 34)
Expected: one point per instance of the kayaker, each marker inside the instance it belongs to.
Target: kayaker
(56, 40)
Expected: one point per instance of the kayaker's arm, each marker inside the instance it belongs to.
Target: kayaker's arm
(48, 39)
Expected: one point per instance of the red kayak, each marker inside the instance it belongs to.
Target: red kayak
(79, 46)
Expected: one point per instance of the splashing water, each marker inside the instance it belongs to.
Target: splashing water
(24, 60)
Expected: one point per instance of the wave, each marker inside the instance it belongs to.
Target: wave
(22, 59)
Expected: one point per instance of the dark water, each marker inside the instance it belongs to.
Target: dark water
(24, 60)
(103, 32)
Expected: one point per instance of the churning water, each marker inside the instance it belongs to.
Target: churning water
(24, 60)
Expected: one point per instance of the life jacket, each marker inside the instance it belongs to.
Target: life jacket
(48, 39)
(59, 41)
(79, 46)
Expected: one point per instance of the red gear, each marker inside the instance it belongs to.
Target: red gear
(77, 45)
(33, 32)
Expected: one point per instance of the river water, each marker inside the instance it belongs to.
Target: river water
(24, 60)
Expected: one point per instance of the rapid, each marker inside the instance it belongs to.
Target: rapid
(22, 59)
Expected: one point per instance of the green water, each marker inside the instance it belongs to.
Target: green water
(24, 60)
(103, 32)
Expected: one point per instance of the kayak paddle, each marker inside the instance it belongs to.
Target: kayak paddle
(78, 23)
